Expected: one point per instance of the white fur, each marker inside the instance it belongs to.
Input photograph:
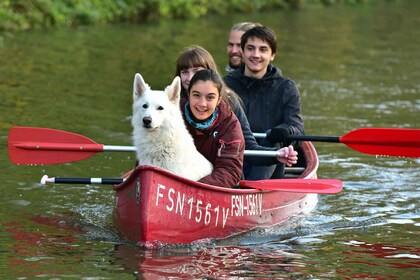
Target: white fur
(160, 135)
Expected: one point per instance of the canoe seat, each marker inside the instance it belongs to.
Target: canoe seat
(293, 172)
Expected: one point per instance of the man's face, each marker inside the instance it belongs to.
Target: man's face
(257, 56)
(234, 50)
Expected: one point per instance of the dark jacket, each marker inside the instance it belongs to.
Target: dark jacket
(250, 142)
(269, 101)
(222, 144)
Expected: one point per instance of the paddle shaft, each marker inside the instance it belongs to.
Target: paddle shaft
(74, 147)
(106, 181)
(84, 180)
(320, 186)
(402, 142)
(331, 139)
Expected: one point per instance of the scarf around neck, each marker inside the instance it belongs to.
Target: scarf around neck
(200, 125)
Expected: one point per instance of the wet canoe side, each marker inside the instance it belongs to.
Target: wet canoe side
(156, 205)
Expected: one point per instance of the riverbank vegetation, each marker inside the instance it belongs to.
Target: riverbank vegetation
(35, 14)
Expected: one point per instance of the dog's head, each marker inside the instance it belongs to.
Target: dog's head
(152, 107)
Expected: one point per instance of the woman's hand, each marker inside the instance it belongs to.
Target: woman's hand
(288, 156)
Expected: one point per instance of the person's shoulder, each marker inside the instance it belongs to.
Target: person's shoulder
(233, 75)
(277, 70)
(229, 123)
(235, 78)
(226, 111)
(236, 72)
(275, 73)
(224, 106)
(182, 103)
(229, 69)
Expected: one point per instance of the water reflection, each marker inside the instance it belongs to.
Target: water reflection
(211, 262)
(273, 252)
(32, 251)
(402, 257)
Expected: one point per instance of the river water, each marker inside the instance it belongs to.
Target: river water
(356, 66)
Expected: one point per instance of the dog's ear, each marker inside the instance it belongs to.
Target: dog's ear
(174, 90)
(139, 86)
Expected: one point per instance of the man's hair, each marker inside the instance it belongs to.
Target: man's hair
(261, 32)
(244, 26)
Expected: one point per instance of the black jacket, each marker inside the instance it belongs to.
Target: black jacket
(250, 142)
(269, 101)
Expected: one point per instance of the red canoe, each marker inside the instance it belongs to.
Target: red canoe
(153, 205)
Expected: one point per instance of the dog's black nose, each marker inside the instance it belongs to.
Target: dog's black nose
(147, 120)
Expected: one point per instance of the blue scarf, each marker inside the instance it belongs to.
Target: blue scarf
(200, 125)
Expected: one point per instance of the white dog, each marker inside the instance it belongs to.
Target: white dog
(160, 135)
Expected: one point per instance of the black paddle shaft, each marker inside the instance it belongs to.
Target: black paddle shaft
(107, 181)
(333, 139)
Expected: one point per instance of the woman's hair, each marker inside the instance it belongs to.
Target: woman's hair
(196, 56)
(208, 75)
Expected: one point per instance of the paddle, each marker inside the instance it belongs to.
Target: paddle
(325, 186)
(31, 145)
(35, 145)
(374, 141)
(320, 186)
(106, 181)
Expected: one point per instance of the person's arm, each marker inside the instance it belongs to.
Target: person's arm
(292, 110)
(250, 141)
(292, 119)
(227, 166)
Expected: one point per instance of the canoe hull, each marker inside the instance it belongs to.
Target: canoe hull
(154, 205)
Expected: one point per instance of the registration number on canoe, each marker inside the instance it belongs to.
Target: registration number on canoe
(204, 212)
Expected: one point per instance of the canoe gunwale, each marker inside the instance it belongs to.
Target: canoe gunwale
(311, 162)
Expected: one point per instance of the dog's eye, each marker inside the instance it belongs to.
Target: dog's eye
(160, 108)
(145, 106)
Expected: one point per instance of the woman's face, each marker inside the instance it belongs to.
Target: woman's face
(187, 74)
(204, 98)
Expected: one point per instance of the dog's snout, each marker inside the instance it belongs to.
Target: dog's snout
(147, 120)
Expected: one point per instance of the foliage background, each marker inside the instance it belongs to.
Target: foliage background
(35, 14)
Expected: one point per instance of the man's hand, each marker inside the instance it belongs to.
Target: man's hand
(288, 156)
(279, 134)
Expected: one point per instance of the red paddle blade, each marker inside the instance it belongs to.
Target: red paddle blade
(322, 186)
(384, 141)
(34, 145)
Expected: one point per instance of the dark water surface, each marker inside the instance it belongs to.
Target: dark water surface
(356, 66)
